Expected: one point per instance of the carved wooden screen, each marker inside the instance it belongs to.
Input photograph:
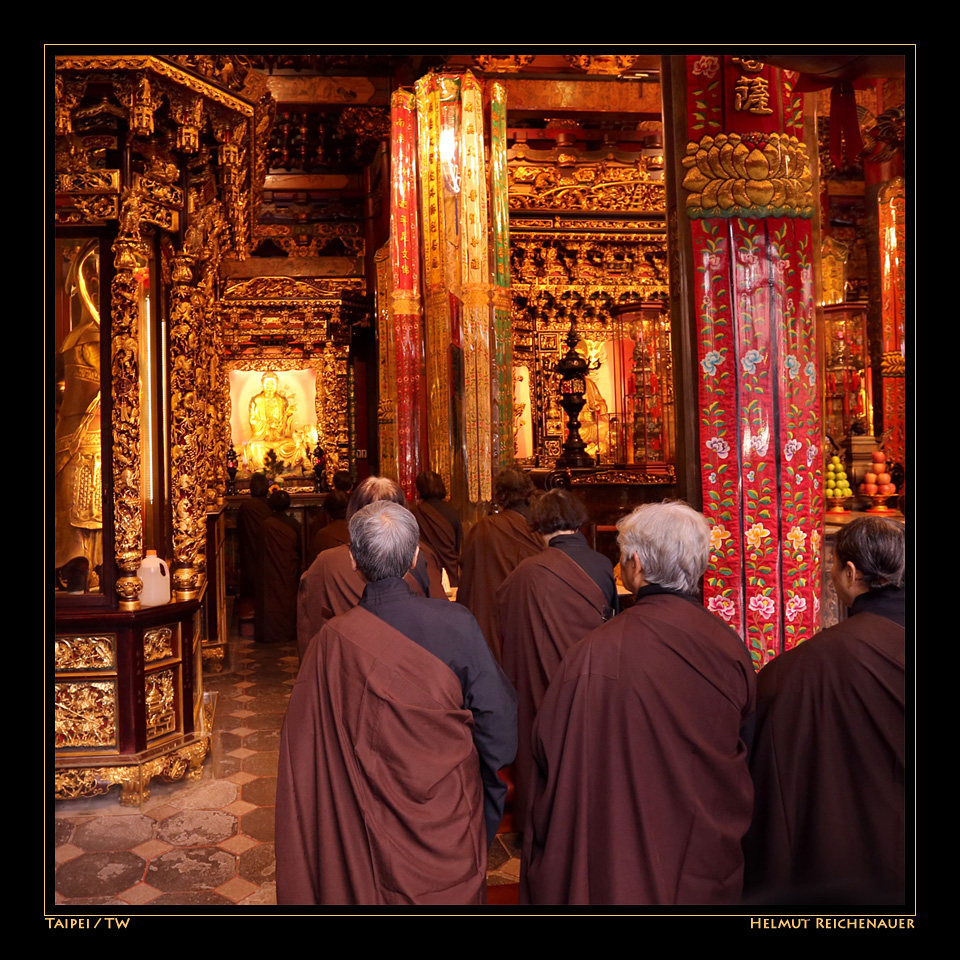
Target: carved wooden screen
(588, 246)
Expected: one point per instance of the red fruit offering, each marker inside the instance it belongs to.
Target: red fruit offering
(879, 456)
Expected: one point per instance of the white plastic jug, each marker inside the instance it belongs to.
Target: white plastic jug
(155, 575)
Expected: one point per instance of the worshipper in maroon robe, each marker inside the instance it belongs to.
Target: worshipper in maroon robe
(334, 533)
(493, 549)
(439, 523)
(387, 787)
(828, 753)
(332, 586)
(642, 792)
(250, 516)
(552, 600)
(275, 599)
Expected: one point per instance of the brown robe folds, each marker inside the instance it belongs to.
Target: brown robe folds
(546, 605)
(379, 796)
(828, 768)
(331, 586)
(493, 549)
(335, 534)
(437, 531)
(642, 792)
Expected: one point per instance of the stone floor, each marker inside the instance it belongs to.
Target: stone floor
(208, 842)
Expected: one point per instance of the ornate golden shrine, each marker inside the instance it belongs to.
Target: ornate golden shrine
(588, 246)
(159, 171)
(289, 324)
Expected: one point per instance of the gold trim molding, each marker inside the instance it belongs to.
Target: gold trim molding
(183, 762)
(893, 364)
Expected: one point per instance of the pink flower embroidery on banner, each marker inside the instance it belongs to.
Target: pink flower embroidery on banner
(764, 606)
(722, 607)
(794, 606)
(719, 446)
(791, 447)
(706, 67)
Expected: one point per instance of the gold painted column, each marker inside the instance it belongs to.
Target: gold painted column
(127, 504)
(436, 112)
(501, 349)
(474, 277)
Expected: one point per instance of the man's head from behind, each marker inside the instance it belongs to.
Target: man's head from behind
(512, 487)
(664, 543)
(868, 555)
(430, 485)
(557, 510)
(383, 540)
(373, 489)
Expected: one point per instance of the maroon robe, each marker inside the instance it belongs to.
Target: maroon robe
(493, 549)
(379, 795)
(335, 534)
(828, 767)
(250, 516)
(438, 532)
(275, 596)
(642, 792)
(546, 605)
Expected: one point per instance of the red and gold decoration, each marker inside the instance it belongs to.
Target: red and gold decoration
(447, 423)
(893, 288)
(405, 284)
(749, 202)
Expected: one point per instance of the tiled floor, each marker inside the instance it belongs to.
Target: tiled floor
(208, 842)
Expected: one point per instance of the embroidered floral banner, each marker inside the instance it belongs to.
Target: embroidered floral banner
(749, 199)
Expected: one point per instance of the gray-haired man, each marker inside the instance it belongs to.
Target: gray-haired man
(641, 791)
(387, 790)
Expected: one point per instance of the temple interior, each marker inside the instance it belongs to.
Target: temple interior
(637, 276)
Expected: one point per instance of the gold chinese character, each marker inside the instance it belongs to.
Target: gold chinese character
(751, 66)
(752, 95)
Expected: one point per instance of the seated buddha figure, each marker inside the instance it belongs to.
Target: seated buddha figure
(271, 425)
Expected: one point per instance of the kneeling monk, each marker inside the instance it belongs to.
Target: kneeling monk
(387, 790)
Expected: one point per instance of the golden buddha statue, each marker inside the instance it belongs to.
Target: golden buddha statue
(271, 426)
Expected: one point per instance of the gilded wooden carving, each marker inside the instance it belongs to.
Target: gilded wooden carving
(158, 643)
(84, 653)
(85, 714)
(128, 519)
(731, 176)
(572, 182)
(71, 783)
(159, 695)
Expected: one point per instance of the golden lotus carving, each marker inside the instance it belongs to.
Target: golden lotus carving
(730, 175)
